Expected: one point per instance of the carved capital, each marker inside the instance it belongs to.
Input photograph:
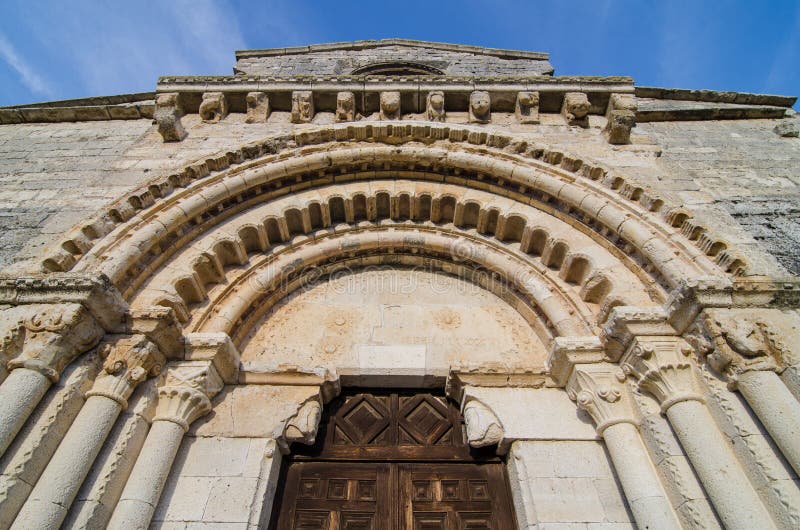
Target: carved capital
(185, 392)
(345, 107)
(483, 426)
(129, 360)
(390, 105)
(168, 117)
(47, 337)
(302, 106)
(733, 342)
(302, 427)
(480, 107)
(600, 390)
(434, 106)
(662, 367)
(527, 107)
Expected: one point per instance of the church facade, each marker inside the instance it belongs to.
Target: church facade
(400, 285)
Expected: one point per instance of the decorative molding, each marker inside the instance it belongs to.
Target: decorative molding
(566, 352)
(129, 360)
(185, 392)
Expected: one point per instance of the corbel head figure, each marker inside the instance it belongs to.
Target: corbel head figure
(480, 107)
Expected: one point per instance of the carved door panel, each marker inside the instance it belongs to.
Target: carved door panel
(336, 496)
(454, 497)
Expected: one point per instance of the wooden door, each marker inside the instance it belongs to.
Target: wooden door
(392, 461)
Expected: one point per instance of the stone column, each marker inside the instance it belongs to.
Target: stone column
(599, 389)
(129, 360)
(747, 354)
(41, 340)
(184, 395)
(660, 366)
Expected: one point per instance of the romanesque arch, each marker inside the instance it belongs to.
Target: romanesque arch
(623, 291)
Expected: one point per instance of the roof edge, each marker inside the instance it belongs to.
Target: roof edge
(368, 44)
(715, 96)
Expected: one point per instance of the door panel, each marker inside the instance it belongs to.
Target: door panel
(392, 461)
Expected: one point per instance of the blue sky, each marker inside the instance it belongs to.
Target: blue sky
(59, 49)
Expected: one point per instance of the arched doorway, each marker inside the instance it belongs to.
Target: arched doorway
(391, 461)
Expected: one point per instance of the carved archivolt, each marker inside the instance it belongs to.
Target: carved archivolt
(498, 163)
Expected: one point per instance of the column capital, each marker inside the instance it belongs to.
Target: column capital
(47, 337)
(662, 367)
(129, 360)
(185, 392)
(734, 342)
(600, 390)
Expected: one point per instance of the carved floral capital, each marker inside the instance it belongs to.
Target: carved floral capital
(661, 366)
(47, 337)
(600, 390)
(128, 361)
(185, 391)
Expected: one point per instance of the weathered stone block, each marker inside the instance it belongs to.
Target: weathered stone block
(302, 106)
(345, 107)
(390, 106)
(434, 106)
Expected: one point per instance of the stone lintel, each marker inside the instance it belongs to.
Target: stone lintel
(94, 292)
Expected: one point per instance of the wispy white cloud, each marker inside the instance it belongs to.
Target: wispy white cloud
(27, 75)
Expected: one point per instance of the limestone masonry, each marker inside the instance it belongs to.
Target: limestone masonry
(208, 290)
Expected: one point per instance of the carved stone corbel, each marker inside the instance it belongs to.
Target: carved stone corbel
(129, 360)
(168, 117)
(480, 107)
(483, 426)
(600, 390)
(345, 107)
(390, 105)
(621, 118)
(214, 107)
(302, 106)
(527, 107)
(661, 366)
(185, 392)
(302, 426)
(434, 106)
(576, 109)
(258, 108)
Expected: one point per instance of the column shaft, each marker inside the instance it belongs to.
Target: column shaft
(146, 482)
(19, 394)
(734, 498)
(777, 409)
(646, 497)
(56, 488)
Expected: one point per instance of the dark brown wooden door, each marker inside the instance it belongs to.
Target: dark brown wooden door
(392, 461)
